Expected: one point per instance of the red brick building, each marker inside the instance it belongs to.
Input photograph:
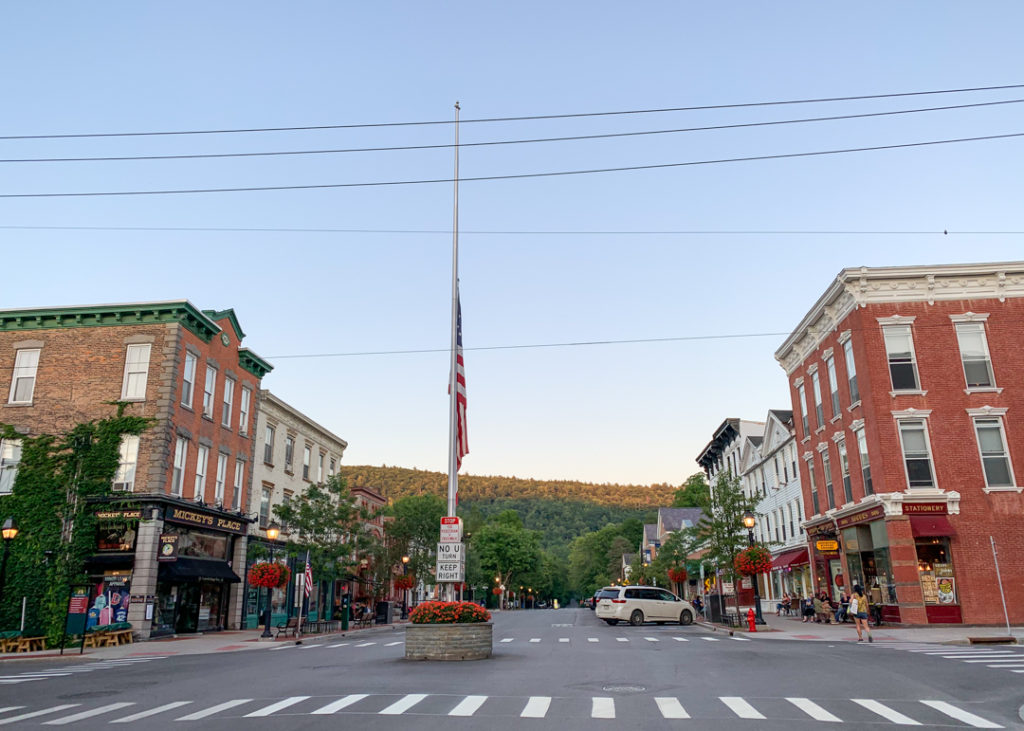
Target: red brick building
(908, 401)
(168, 556)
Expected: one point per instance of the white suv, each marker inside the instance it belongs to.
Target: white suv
(639, 604)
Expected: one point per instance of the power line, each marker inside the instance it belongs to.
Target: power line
(526, 118)
(521, 176)
(492, 143)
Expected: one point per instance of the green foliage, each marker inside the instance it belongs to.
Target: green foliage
(414, 532)
(591, 558)
(59, 480)
(695, 493)
(506, 550)
(721, 531)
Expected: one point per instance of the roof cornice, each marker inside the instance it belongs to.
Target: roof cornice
(182, 312)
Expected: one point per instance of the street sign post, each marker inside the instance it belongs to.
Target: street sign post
(451, 564)
(451, 530)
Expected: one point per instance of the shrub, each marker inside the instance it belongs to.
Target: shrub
(448, 613)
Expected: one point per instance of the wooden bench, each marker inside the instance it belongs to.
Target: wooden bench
(119, 637)
(29, 644)
(292, 625)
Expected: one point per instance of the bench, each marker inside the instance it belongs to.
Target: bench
(366, 620)
(108, 635)
(292, 625)
(29, 644)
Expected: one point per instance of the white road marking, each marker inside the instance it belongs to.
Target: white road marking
(308, 647)
(710, 639)
(1006, 665)
(740, 639)
(536, 707)
(403, 705)
(275, 707)
(468, 706)
(5, 709)
(392, 644)
(563, 639)
(535, 639)
(19, 680)
(740, 707)
(989, 659)
(1017, 671)
(885, 712)
(602, 708)
(507, 639)
(87, 714)
(151, 712)
(340, 644)
(621, 639)
(813, 710)
(651, 639)
(592, 639)
(671, 708)
(34, 714)
(281, 647)
(213, 709)
(366, 644)
(960, 715)
(337, 705)
(680, 639)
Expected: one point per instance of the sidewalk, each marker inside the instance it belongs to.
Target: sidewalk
(228, 641)
(791, 628)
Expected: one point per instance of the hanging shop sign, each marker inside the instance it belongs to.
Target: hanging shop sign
(204, 520)
(827, 546)
(925, 508)
(864, 516)
(168, 550)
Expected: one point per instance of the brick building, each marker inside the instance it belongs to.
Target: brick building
(183, 484)
(908, 404)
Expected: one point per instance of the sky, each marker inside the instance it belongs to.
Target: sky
(338, 272)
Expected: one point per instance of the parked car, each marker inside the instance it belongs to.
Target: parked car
(592, 603)
(639, 604)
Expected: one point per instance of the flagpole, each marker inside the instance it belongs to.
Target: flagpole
(453, 386)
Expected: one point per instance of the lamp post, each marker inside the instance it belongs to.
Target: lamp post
(9, 532)
(273, 531)
(750, 520)
(405, 596)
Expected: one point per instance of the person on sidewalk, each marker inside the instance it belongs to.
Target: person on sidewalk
(859, 610)
(808, 609)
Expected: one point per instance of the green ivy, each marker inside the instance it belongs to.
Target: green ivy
(57, 479)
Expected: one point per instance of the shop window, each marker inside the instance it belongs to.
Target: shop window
(124, 479)
(865, 463)
(10, 458)
(974, 354)
(114, 535)
(851, 371)
(199, 544)
(899, 348)
(23, 382)
(916, 454)
(994, 456)
(826, 468)
(935, 570)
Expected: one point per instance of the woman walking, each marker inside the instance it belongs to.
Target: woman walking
(859, 611)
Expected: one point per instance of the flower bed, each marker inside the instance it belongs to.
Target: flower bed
(449, 613)
(448, 631)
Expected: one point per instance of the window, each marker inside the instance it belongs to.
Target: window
(994, 456)
(268, 446)
(826, 468)
(785, 469)
(814, 488)
(188, 380)
(916, 455)
(865, 463)
(222, 476)
(819, 410)
(23, 383)
(264, 507)
(136, 370)
(851, 371)
(320, 469)
(792, 530)
(776, 529)
(793, 461)
(10, 456)
(844, 469)
(974, 354)
(208, 389)
(307, 456)
(285, 502)
(331, 473)
(243, 411)
(236, 496)
(229, 400)
(201, 462)
(289, 452)
(833, 384)
(178, 474)
(803, 408)
(124, 478)
(899, 347)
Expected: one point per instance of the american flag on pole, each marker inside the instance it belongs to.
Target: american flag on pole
(309, 576)
(462, 438)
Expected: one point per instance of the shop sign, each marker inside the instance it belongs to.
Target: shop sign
(829, 546)
(205, 520)
(925, 508)
(168, 547)
(135, 514)
(822, 529)
(864, 516)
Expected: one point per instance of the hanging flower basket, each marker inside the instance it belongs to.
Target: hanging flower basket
(404, 582)
(754, 560)
(677, 575)
(269, 575)
(496, 591)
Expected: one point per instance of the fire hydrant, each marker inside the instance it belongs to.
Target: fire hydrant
(750, 620)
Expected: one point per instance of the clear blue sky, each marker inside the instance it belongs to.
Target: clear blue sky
(627, 413)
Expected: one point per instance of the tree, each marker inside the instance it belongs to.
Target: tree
(414, 532)
(695, 493)
(721, 532)
(506, 550)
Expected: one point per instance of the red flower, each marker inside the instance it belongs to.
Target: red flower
(269, 575)
(754, 560)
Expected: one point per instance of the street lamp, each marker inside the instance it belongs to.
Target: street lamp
(9, 532)
(405, 597)
(273, 531)
(749, 521)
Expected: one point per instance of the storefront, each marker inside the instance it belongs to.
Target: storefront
(932, 532)
(865, 541)
(826, 562)
(789, 573)
(110, 568)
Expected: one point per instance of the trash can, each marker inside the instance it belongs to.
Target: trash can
(385, 613)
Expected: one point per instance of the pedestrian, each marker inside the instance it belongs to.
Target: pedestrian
(842, 609)
(808, 609)
(859, 610)
(819, 608)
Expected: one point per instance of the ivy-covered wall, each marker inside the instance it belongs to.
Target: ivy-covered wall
(56, 479)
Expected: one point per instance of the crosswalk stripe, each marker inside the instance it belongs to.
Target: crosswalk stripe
(468, 706)
(622, 639)
(740, 707)
(366, 644)
(87, 714)
(35, 714)
(340, 644)
(885, 712)
(960, 714)
(275, 707)
(710, 639)
(680, 639)
(214, 709)
(740, 639)
(535, 639)
(1017, 671)
(281, 647)
(989, 659)
(151, 712)
(563, 639)
(592, 639)
(507, 639)
(337, 705)
(813, 710)
(536, 707)
(602, 708)
(1006, 665)
(14, 681)
(652, 639)
(402, 705)
(671, 708)
(308, 647)
(392, 644)
(5, 709)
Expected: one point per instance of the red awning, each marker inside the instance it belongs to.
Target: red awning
(794, 557)
(928, 526)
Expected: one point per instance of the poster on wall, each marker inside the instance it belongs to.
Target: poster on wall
(946, 589)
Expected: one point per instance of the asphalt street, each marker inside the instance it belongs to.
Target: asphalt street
(561, 669)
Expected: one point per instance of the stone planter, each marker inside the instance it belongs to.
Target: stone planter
(448, 641)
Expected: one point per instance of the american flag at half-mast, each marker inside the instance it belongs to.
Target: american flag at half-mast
(462, 438)
(309, 576)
